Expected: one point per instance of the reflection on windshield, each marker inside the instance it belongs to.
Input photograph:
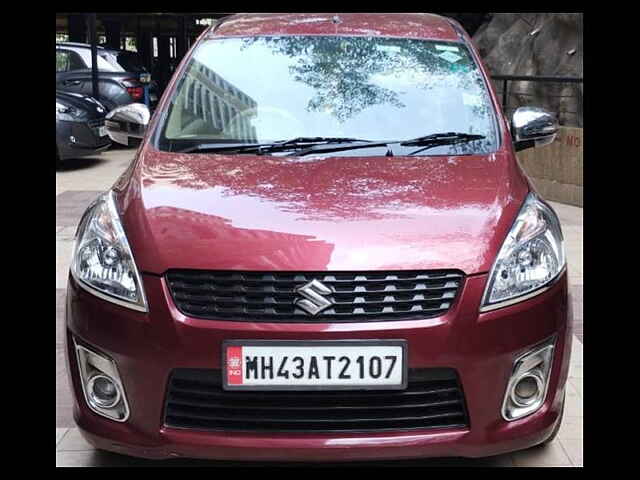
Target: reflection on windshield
(264, 89)
(208, 105)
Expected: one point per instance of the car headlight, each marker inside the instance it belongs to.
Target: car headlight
(66, 112)
(61, 108)
(101, 107)
(102, 261)
(531, 258)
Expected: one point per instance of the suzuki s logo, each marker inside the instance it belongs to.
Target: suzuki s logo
(314, 301)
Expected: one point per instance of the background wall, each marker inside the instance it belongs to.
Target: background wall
(547, 44)
(541, 44)
(556, 169)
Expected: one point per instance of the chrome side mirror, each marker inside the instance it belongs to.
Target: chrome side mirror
(533, 127)
(128, 121)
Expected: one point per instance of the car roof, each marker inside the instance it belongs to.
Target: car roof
(100, 47)
(76, 45)
(408, 25)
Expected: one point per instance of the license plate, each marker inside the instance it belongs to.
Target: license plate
(102, 131)
(153, 97)
(314, 365)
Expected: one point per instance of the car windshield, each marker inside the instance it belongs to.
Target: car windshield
(266, 89)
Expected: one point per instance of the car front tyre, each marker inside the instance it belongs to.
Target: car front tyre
(58, 159)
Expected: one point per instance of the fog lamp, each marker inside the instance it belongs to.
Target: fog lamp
(101, 384)
(103, 391)
(527, 387)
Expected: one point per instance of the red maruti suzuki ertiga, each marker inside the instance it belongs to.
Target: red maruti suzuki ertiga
(324, 250)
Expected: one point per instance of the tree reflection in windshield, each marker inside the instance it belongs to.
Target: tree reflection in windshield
(338, 69)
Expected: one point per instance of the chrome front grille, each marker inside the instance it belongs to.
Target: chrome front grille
(274, 296)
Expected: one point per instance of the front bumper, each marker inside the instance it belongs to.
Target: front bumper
(87, 139)
(481, 347)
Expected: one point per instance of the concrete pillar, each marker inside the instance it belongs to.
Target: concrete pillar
(112, 30)
(77, 28)
(93, 38)
(163, 60)
(181, 37)
(144, 44)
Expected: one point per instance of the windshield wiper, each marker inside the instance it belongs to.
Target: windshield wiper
(426, 142)
(219, 147)
(262, 148)
(332, 144)
(318, 140)
(436, 139)
(442, 139)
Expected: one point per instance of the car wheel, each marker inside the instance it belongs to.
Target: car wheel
(58, 159)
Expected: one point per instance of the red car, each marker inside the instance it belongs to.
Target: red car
(325, 249)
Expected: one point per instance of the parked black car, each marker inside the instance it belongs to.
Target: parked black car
(80, 129)
(116, 86)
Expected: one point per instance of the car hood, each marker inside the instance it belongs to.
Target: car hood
(81, 102)
(249, 212)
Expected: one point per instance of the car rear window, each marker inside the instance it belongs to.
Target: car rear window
(67, 61)
(103, 64)
(131, 62)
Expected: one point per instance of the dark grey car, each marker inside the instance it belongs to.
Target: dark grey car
(80, 129)
(116, 85)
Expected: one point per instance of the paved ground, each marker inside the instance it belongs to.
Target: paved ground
(80, 181)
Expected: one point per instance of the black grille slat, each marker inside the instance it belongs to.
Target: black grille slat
(351, 395)
(283, 277)
(455, 422)
(289, 418)
(270, 301)
(258, 286)
(389, 288)
(433, 399)
(271, 296)
(335, 314)
(96, 123)
(177, 401)
(432, 388)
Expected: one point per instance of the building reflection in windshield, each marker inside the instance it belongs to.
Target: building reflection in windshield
(213, 101)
